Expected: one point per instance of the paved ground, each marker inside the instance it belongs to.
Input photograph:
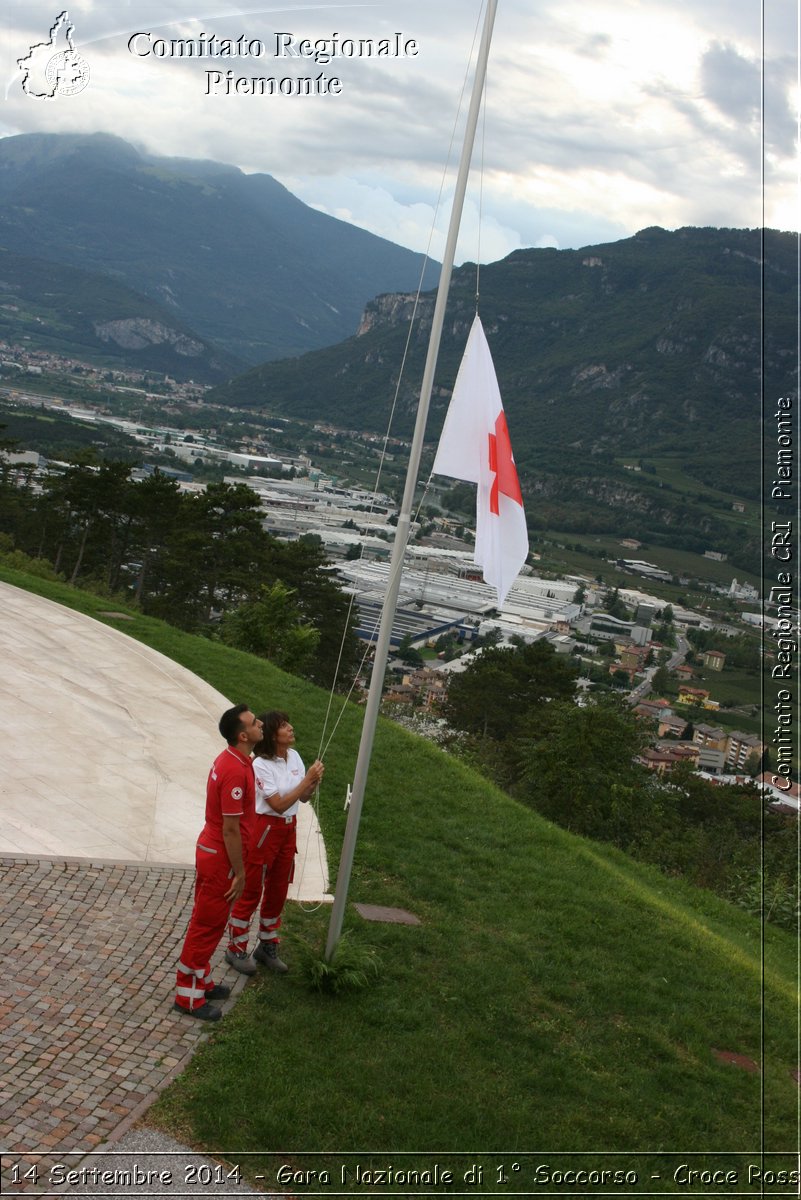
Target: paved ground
(87, 1035)
(90, 939)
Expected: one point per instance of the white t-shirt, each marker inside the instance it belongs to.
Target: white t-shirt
(277, 775)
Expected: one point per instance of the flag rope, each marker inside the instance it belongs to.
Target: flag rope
(323, 744)
(481, 187)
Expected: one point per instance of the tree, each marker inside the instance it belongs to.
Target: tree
(156, 502)
(575, 767)
(408, 652)
(505, 686)
(709, 831)
(273, 627)
(660, 680)
(214, 557)
(615, 606)
(96, 499)
(7, 446)
(742, 651)
(491, 638)
(323, 604)
(753, 763)
(18, 505)
(447, 645)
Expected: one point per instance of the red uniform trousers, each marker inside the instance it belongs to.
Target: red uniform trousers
(270, 869)
(206, 927)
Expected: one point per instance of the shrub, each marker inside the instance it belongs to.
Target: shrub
(352, 966)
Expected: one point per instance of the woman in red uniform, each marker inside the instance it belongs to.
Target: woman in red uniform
(282, 783)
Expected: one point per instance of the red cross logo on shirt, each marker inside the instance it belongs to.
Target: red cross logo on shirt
(502, 465)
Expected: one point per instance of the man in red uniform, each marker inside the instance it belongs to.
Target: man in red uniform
(220, 861)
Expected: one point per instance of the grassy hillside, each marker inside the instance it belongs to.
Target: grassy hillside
(556, 996)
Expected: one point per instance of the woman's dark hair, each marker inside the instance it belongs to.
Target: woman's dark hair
(271, 723)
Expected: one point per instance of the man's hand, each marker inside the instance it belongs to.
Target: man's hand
(232, 838)
(237, 887)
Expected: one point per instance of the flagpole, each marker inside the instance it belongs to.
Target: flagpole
(403, 528)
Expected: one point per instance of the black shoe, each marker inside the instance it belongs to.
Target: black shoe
(205, 1012)
(267, 954)
(219, 992)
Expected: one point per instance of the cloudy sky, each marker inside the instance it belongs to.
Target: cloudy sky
(602, 117)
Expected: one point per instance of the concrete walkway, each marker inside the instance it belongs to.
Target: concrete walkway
(99, 813)
(93, 767)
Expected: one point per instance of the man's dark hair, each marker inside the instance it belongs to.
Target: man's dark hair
(231, 723)
(271, 722)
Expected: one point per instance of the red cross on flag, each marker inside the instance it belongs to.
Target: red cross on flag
(475, 446)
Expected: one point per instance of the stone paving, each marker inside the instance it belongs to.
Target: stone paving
(87, 1034)
(97, 836)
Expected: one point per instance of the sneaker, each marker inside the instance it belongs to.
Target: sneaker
(219, 992)
(267, 954)
(204, 1012)
(240, 962)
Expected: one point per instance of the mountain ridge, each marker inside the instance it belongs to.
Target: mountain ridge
(656, 345)
(82, 314)
(237, 257)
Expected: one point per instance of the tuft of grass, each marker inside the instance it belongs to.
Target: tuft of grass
(352, 966)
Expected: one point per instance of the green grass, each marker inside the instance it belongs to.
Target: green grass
(671, 469)
(678, 562)
(729, 686)
(555, 996)
(731, 720)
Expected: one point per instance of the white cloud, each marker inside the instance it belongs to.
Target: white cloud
(417, 224)
(731, 81)
(601, 119)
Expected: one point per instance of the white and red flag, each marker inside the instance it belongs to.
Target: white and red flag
(475, 446)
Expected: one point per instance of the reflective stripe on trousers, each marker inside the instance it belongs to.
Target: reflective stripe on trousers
(206, 927)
